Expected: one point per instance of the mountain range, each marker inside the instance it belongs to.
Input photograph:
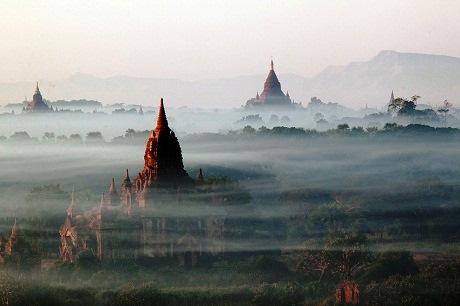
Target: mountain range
(433, 77)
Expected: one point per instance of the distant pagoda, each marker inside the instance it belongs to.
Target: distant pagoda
(37, 105)
(272, 95)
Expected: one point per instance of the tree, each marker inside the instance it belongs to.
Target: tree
(249, 130)
(94, 137)
(402, 106)
(130, 133)
(343, 127)
(390, 126)
(76, 138)
(318, 261)
(341, 254)
(20, 136)
(263, 130)
(372, 129)
(414, 98)
(444, 109)
(61, 138)
(357, 130)
(49, 137)
(351, 252)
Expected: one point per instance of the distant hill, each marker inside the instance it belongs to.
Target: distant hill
(433, 77)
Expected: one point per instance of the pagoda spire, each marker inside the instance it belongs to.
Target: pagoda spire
(112, 188)
(72, 203)
(37, 90)
(271, 65)
(14, 228)
(162, 122)
(392, 97)
(200, 177)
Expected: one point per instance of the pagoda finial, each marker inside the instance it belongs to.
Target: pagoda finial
(271, 64)
(162, 122)
(72, 203)
(14, 228)
(200, 177)
(392, 97)
(37, 90)
(112, 188)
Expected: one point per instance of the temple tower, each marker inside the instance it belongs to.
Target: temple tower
(163, 163)
(272, 95)
(37, 104)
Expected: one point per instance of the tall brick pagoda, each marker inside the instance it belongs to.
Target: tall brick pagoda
(163, 156)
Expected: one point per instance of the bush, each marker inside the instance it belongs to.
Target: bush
(278, 295)
(388, 264)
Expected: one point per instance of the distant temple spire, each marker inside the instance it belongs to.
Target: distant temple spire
(392, 98)
(200, 178)
(37, 104)
(37, 90)
(14, 229)
(272, 95)
(112, 188)
(126, 182)
(72, 203)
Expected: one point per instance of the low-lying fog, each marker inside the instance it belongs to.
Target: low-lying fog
(264, 165)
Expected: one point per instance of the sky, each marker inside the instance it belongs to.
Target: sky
(194, 40)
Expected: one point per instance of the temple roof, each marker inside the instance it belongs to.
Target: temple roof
(37, 103)
(272, 95)
(272, 86)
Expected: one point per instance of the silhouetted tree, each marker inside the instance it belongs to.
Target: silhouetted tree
(94, 137)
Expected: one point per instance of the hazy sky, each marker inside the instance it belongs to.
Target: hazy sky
(213, 39)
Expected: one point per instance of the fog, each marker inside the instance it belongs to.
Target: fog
(276, 194)
(274, 170)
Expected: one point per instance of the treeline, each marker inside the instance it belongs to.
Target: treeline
(346, 130)
(389, 278)
(132, 136)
